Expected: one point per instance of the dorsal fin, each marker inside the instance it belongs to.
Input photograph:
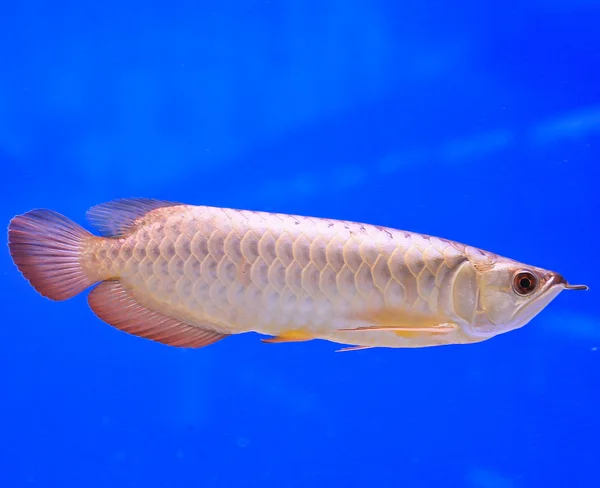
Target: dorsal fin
(115, 218)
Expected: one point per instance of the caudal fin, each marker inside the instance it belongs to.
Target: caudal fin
(47, 247)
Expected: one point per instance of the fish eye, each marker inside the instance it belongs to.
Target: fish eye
(525, 283)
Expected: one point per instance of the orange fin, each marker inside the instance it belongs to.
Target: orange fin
(114, 305)
(290, 336)
(46, 247)
(409, 331)
(404, 324)
(354, 348)
(116, 218)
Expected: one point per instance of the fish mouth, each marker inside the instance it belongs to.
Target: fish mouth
(529, 311)
(555, 283)
(559, 280)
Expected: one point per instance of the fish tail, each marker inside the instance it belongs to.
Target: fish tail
(48, 248)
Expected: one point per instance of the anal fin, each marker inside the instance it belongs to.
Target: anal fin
(113, 304)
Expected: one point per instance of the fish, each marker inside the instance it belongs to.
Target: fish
(189, 276)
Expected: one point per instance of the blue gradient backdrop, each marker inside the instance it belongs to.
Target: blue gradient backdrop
(475, 121)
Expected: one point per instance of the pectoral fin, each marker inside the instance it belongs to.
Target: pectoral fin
(403, 324)
(354, 348)
(410, 331)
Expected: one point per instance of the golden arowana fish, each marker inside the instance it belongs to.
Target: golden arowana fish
(191, 275)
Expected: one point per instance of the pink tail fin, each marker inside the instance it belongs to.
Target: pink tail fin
(46, 247)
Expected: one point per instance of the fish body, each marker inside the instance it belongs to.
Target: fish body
(189, 275)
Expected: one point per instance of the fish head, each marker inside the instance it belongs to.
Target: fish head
(511, 294)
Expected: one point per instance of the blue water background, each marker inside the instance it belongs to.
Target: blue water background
(475, 121)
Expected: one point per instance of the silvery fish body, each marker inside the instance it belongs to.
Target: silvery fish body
(190, 275)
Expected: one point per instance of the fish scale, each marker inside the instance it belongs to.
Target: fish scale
(280, 270)
(191, 275)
